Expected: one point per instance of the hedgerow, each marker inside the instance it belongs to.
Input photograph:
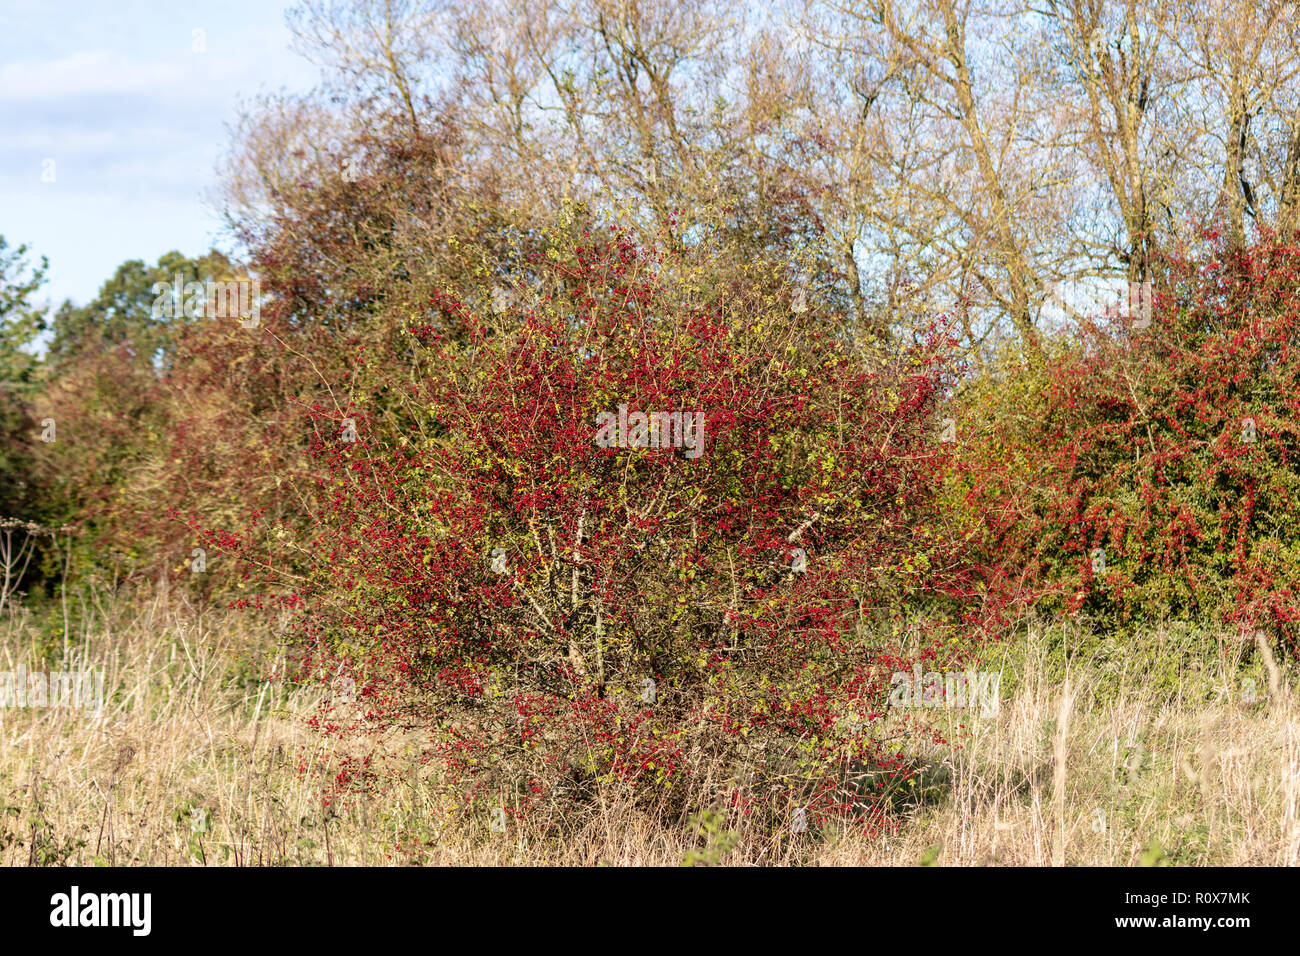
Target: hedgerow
(1142, 475)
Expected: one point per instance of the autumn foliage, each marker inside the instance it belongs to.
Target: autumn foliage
(411, 463)
(552, 617)
(1148, 474)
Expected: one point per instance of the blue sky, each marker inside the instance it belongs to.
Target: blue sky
(134, 120)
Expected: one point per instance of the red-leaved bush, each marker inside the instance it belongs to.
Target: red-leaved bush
(543, 612)
(1146, 474)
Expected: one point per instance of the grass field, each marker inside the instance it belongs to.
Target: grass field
(1176, 748)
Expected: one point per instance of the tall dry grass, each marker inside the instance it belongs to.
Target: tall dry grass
(195, 760)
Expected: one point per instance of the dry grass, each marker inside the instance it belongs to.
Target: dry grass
(1064, 774)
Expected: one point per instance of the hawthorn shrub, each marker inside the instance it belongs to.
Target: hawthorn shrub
(151, 447)
(1142, 475)
(150, 451)
(544, 615)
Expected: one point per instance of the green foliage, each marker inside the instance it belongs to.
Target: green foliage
(1174, 661)
(1154, 855)
(21, 321)
(123, 314)
(710, 826)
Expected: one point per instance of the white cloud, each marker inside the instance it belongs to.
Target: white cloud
(133, 117)
(86, 73)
